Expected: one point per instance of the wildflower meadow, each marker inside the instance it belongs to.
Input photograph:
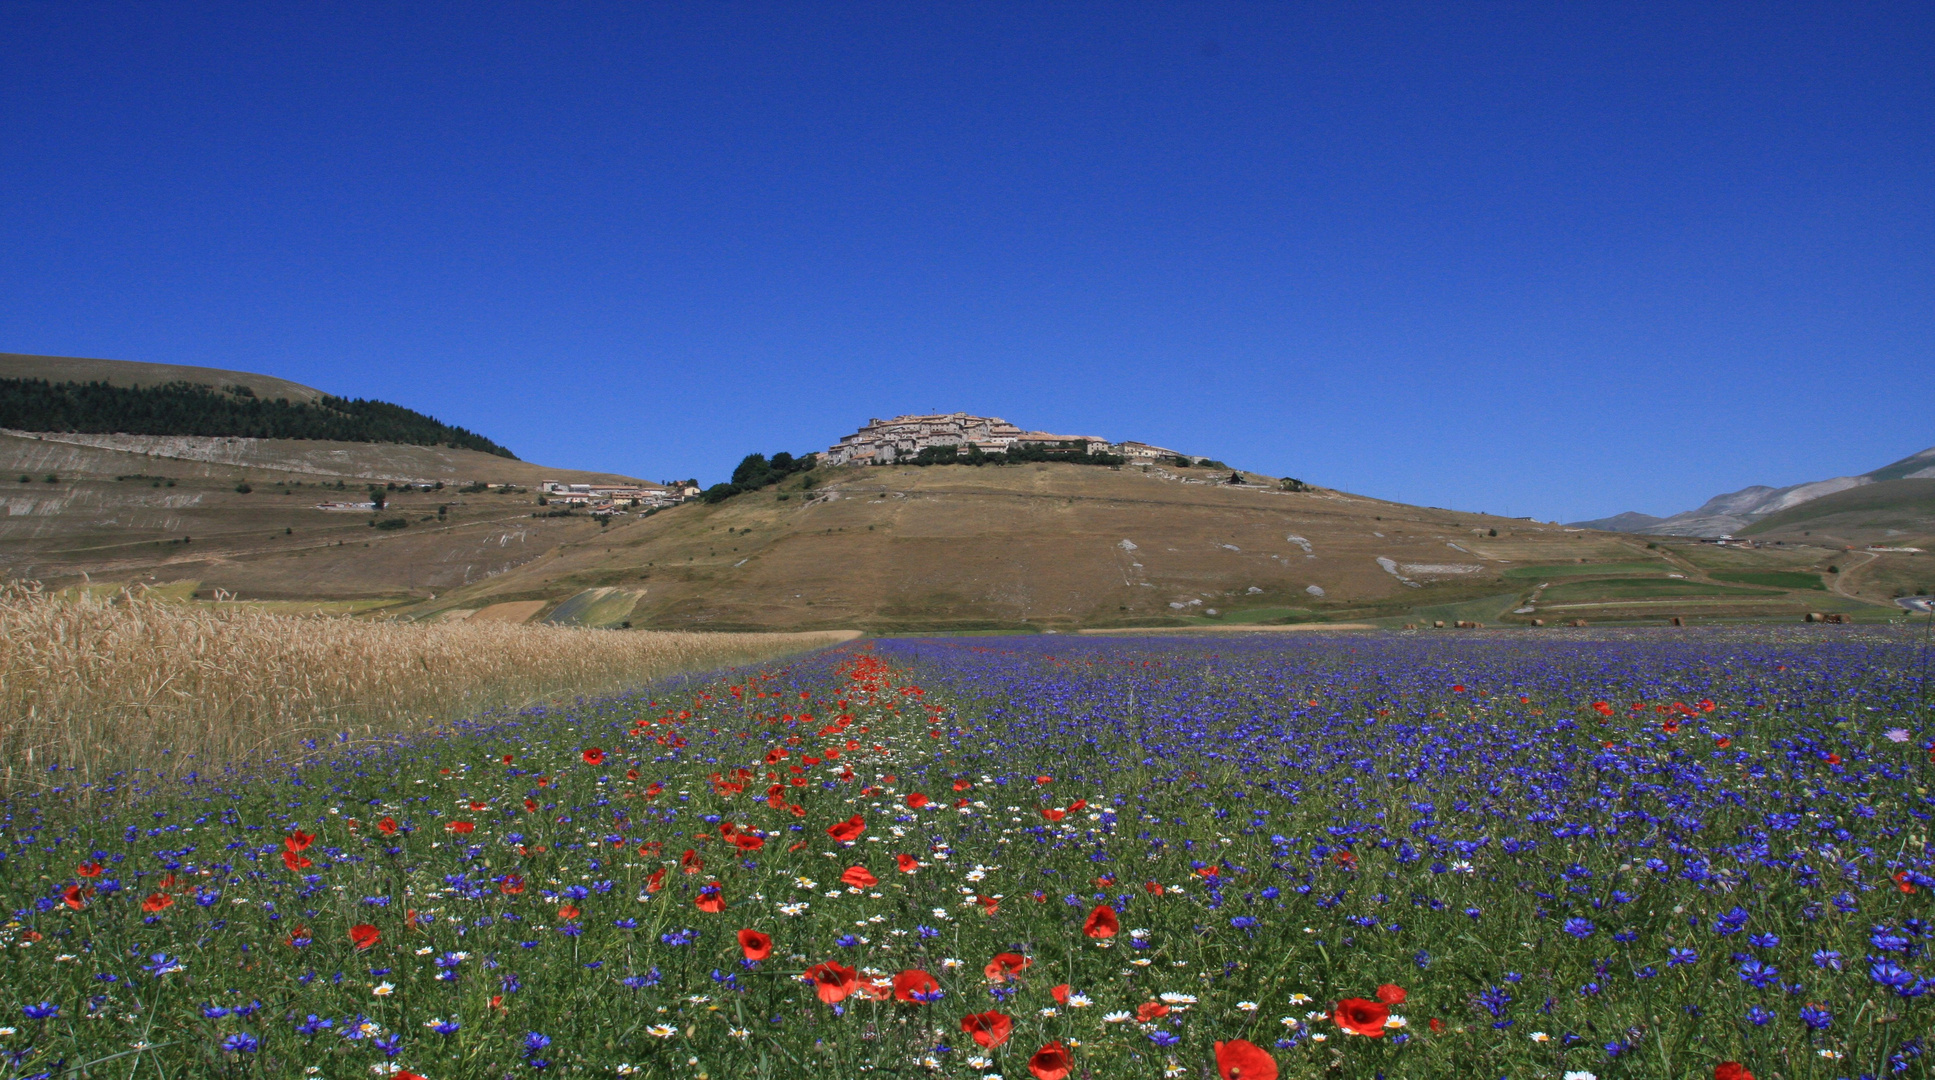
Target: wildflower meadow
(1517, 855)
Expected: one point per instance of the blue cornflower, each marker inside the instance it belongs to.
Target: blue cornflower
(446, 1027)
(1764, 941)
(241, 1043)
(1676, 957)
(1816, 1017)
(1758, 1016)
(1827, 958)
(46, 1010)
(1164, 1038)
(1758, 975)
(533, 1042)
(1579, 928)
(1887, 940)
(1895, 978)
(315, 1025)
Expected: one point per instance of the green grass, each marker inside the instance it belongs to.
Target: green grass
(1555, 570)
(1638, 588)
(1773, 579)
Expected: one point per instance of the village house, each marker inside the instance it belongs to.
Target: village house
(1144, 452)
(883, 442)
(612, 494)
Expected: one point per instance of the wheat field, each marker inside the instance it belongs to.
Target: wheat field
(92, 686)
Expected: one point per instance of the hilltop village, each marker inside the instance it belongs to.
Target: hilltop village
(884, 442)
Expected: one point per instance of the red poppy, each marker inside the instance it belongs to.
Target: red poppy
(711, 900)
(1150, 1010)
(568, 912)
(594, 756)
(748, 842)
(1239, 1060)
(1834, 759)
(859, 878)
(907, 863)
(511, 885)
(989, 1029)
(1902, 883)
(530, 806)
(1043, 779)
(296, 862)
(88, 869)
(1361, 1017)
(1671, 727)
(1051, 1062)
(690, 862)
(1153, 888)
(832, 982)
(989, 905)
(461, 828)
(507, 759)
(1101, 923)
(298, 840)
(1457, 688)
(1060, 994)
(73, 897)
(1723, 742)
(1053, 814)
(1391, 994)
(298, 938)
(962, 785)
(405, 1074)
(914, 985)
(656, 881)
(387, 826)
(363, 935)
(1436, 1025)
(755, 945)
(1006, 965)
(1603, 708)
(916, 800)
(157, 902)
(1731, 1070)
(848, 830)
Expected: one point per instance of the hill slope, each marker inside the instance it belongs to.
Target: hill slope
(135, 373)
(130, 405)
(1051, 546)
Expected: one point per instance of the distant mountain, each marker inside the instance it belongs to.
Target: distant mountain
(1734, 512)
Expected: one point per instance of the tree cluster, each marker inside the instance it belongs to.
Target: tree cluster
(756, 471)
(182, 408)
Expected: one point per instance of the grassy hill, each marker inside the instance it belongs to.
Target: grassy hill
(1031, 546)
(134, 373)
(1062, 547)
(131, 403)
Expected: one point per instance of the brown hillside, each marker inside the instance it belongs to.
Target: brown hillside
(1047, 546)
(119, 515)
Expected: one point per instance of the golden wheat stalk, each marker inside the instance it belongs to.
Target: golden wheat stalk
(96, 685)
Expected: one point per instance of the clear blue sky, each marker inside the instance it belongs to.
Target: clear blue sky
(1546, 259)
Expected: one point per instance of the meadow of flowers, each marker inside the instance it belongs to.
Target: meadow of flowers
(1502, 855)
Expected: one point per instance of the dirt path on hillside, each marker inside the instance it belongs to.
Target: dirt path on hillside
(1839, 579)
